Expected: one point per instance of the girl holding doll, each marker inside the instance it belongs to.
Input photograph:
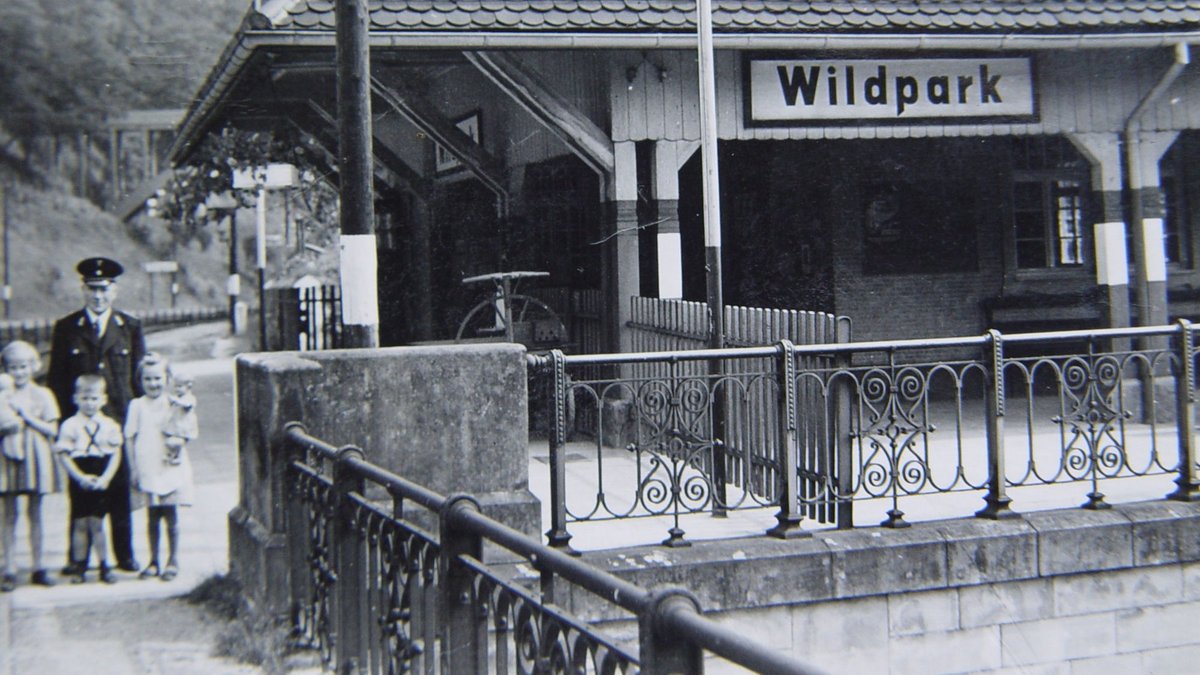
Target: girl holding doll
(27, 463)
(162, 473)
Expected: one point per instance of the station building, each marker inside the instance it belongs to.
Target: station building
(925, 168)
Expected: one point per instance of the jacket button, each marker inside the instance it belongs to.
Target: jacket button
(101, 366)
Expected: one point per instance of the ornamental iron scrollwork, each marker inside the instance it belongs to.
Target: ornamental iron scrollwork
(1091, 400)
(536, 638)
(314, 628)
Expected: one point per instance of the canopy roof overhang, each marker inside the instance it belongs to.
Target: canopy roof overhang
(300, 34)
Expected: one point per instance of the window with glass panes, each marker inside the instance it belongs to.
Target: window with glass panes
(1048, 221)
(1049, 192)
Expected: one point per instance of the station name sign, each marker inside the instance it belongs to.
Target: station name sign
(786, 91)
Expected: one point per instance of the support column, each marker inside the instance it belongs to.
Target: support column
(422, 268)
(666, 217)
(1103, 151)
(359, 261)
(623, 278)
(1146, 213)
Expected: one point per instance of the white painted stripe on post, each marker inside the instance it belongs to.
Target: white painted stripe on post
(360, 294)
(1112, 266)
(670, 266)
(1156, 249)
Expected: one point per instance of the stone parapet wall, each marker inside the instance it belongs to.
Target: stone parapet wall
(452, 419)
(1059, 591)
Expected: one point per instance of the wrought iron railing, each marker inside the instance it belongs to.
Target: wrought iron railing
(815, 430)
(375, 591)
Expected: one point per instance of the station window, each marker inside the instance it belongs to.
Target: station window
(1048, 221)
(1049, 203)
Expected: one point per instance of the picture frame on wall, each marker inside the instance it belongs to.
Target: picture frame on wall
(444, 161)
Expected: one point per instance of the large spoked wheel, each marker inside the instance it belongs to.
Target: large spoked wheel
(534, 324)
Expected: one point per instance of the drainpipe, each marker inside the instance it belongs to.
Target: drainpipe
(1151, 308)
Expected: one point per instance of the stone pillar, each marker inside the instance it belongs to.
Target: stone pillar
(623, 278)
(453, 419)
(1103, 151)
(666, 216)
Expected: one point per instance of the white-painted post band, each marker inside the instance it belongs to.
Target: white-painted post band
(670, 266)
(260, 230)
(1112, 264)
(360, 294)
(1156, 249)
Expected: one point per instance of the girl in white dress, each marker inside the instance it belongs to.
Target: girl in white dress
(165, 480)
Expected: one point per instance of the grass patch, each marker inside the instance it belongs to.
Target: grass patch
(250, 635)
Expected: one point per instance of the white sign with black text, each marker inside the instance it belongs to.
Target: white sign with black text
(799, 91)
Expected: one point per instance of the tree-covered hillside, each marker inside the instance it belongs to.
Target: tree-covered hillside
(65, 64)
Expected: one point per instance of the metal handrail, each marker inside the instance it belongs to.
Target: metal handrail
(681, 619)
(540, 360)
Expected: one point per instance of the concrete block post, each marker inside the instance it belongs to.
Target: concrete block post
(452, 418)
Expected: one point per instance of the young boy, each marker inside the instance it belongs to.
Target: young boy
(89, 443)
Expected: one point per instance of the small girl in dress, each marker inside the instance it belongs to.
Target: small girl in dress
(166, 483)
(27, 463)
(27, 466)
(89, 444)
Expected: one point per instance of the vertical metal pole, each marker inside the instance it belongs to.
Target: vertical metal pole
(789, 517)
(360, 303)
(463, 650)
(661, 650)
(1185, 397)
(558, 537)
(5, 195)
(260, 262)
(997, 498)
(234, 284)
(349, 566)
(296, 529)
(712, 242)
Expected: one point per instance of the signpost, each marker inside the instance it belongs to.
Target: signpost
(225, 202)
(162, 267)
(262, 178)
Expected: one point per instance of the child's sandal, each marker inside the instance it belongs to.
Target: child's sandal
(106, 575)
(8, 583)
(170, 572)
(150, 571)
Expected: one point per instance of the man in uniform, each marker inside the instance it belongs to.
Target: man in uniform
(103, 341)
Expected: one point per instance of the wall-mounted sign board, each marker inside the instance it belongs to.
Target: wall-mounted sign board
(783, 91)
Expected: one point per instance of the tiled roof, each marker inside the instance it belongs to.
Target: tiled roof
(733, 16)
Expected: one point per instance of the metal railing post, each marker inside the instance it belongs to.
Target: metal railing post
(997, 498)
(843, 442)
(789, 516)
(295, 525)
(663, 651)
(350, 591)
(1185, 416)
(463, 620)
(557, 536)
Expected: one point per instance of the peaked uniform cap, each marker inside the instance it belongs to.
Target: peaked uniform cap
(99, 271)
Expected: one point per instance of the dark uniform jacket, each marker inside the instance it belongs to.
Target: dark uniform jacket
(75, 351)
